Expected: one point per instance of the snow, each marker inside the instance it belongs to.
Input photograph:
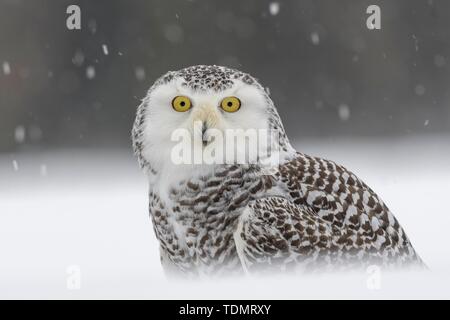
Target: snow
(315, 39)
(19, 134)
(6, 68)
(344, 112)
(105, 49)
(274, 8)
(83, 231)
(15, 165)
(90, 72)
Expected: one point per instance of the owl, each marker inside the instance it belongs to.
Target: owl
(297, 214)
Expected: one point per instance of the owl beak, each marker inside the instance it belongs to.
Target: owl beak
(204, 137)
(205, 115)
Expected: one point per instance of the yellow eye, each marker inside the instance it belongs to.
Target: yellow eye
(181, 103)
(230, 104)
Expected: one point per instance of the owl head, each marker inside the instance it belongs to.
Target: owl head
(202, 102)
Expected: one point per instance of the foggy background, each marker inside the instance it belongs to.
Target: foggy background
(73, 201)
(328, 74)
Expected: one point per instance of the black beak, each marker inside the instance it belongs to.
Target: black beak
(204, 128)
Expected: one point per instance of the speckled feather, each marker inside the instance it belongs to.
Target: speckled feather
(309, 214)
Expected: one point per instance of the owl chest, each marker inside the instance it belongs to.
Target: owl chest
(196, 225)
(197, 242)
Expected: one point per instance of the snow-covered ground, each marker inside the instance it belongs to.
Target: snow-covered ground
(79, 217)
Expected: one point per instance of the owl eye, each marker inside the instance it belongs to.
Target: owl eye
(181, 103)
(230, 104)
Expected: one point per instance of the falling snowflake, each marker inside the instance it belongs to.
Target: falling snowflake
(6, 68)
(15, 165)
(90, 72)
(105, 49)
(19, 134)
(426, 122)
(344, 112)
(315, 38)
(274, 8)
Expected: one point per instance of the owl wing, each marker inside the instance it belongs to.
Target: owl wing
(275, 232)
(325, 216)
(339, 197)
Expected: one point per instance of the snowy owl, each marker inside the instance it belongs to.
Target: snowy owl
(301, 213)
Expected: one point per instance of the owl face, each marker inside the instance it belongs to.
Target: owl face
(198, 104)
